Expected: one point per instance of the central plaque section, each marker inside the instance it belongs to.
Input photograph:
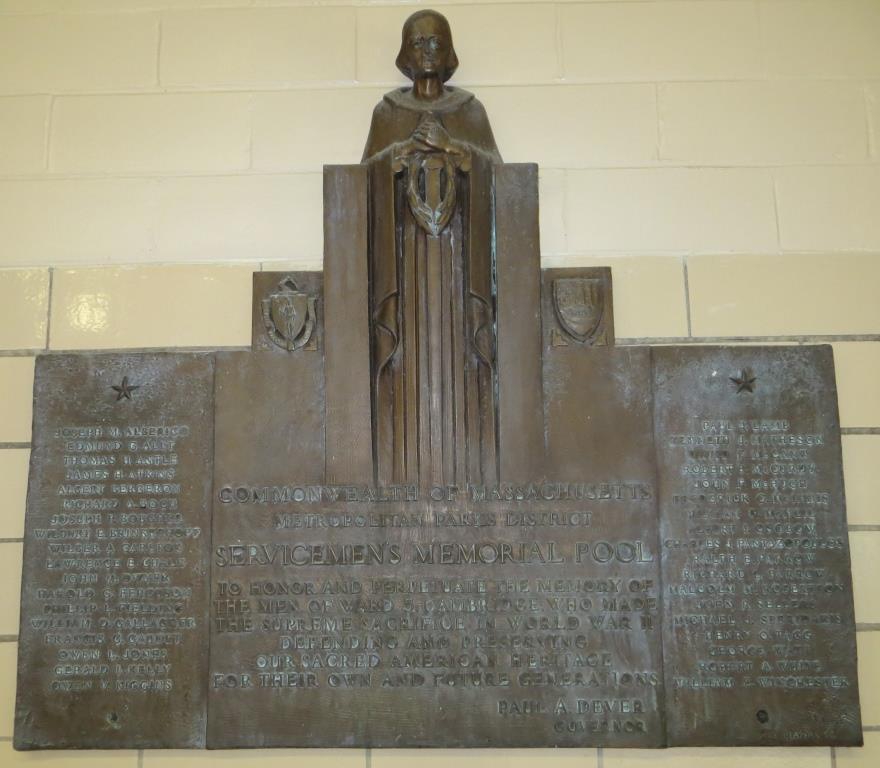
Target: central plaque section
(506, 614)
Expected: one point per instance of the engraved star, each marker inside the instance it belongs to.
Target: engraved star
(124, 389)
(745, 381)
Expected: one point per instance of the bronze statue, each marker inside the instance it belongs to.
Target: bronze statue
(431, 154)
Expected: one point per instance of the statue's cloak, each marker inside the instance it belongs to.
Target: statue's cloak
(409, 446)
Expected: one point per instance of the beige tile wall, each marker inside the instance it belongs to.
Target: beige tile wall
(723, 156)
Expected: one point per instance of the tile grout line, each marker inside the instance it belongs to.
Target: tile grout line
(833, 758)
(658, 123)
(357, 34)
(761, 41)
(50, 112)
(864, 527)
(49, 307)
(560, 53)
(600, 757)
(775, 191)
(8, 638)
(687, 294)
(159, 53)
(368, 758)
(860, 430)
(14, 445)
(353, 84)
(310, 170)
(12, 541)
(250, 148)
(22, 352)
(867, 627)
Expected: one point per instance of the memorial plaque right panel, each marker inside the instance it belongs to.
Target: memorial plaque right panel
(759, 632)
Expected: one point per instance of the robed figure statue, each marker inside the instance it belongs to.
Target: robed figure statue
(430, 155)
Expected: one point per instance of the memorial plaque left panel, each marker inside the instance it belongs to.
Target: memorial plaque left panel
(113, 645)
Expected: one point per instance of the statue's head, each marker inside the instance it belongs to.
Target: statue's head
(426, 47)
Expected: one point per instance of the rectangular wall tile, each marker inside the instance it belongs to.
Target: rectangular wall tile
(858, 370)
(660, 41)
(825, 38)
(827, 208)
(152, 306)
(574, 126)
(91, 52)
(16, 399)
(112, 758)
(13, 480)
(76, 220)
(670, 209)
(305, 130)
(483, 758)
(10, 578)
(869, 674)
(649, 295)
(758, 123)
(864, 547)
(175, 132)
(750, 295)
(240, 218)
(248, 758)
(8, 665)
(23, 122)
(24, 297)
(495, 44)
(258, 46)
(861, 462)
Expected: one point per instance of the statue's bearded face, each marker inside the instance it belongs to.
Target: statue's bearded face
(428, 45)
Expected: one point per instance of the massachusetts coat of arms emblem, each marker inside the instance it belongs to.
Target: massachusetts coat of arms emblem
(289, 316)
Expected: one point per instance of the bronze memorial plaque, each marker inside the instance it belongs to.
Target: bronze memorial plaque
(113, 642)
(435, 504)
(759, 645)
(474, 615)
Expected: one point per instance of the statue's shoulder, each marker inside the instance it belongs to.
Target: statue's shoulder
(452, 100)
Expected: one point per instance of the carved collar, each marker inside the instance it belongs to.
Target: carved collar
(452, 98)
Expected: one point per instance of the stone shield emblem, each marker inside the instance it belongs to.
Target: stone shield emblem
(289, 316)
(579, 305)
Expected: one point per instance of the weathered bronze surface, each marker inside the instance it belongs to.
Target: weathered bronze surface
(113, 642)
(514, 614)
(430, 157)
(348, 427)
(287, 311)
(445, 510)
(577, 307)
(759, 645)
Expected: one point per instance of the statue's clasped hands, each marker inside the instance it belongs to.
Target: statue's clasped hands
(431, 136)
